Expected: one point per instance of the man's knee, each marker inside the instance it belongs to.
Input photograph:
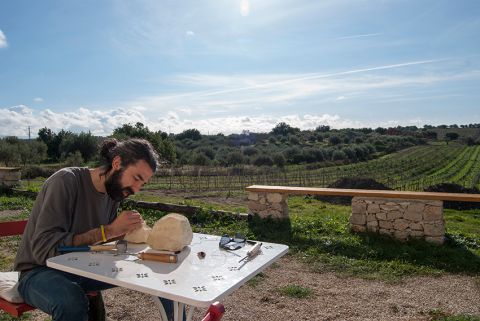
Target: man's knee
(72, 306)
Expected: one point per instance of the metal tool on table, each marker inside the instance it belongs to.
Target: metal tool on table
(252, 252)
(120, 247)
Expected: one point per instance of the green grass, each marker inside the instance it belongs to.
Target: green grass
(318, 235)
(439, 315)
(7, 317)
(256, 280)
(24, 204)
(296, 291)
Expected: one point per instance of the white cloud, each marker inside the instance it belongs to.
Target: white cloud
(15, 120)
(3, 40)
(190, 33)
(38, 99)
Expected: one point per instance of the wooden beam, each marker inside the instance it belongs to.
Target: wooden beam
(364, 192)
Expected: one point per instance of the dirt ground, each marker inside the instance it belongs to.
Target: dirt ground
(333, 298)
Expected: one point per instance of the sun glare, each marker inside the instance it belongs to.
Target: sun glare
(245, 8)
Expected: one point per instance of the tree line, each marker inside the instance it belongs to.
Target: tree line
(283, 145)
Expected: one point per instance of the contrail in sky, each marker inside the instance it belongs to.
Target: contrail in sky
(361, 36)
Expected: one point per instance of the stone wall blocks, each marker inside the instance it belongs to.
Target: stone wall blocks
(385, 225)
(358, 219)
(393, 215)
(434, 229)
(413, 216)
(358, 228)
(432, 213)
(359, 208)
(385, 232)
(389, 208)
(252, 196)
(416, 234)
(372, 223)
(274, 197)
(381, 216)
(255, 206)
(400, 224)
(276, 206)
(416, 226)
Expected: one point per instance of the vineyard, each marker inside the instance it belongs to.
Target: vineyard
(412, 169)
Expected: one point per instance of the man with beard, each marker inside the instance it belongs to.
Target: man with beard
(78, 206)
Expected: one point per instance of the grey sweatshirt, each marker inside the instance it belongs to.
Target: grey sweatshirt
(67, 204)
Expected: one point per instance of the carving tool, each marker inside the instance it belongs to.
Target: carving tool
(252, 252)
(159, 257)
(87, 248)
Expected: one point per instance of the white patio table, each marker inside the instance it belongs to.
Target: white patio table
(193, 281)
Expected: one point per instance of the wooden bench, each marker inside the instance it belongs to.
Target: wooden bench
(400, 214)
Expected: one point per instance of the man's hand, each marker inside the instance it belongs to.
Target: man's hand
(125, 222)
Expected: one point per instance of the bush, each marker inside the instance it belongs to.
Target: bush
(30, 172)
(351, 183)
(455, 188)
(263, 160)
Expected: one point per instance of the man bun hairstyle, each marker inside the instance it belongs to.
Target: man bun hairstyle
(130, 152)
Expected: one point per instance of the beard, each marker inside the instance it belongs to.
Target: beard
(114, 186)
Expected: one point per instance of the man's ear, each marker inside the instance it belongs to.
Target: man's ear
(116, 163)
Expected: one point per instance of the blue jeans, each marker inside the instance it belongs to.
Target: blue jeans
(63, 295)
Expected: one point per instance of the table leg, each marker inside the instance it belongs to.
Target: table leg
(163, 314)
(191, 308)
(178, 309)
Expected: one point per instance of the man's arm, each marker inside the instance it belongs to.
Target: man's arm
(126, 221)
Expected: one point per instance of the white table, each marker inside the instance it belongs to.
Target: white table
(192, 281)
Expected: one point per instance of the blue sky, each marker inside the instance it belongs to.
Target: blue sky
(229, 65)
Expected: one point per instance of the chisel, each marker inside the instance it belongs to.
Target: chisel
(159, 257)
(252, 252)
(87, 248)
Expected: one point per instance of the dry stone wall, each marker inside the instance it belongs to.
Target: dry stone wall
(268, 204)
(9, 176)
(399, 218)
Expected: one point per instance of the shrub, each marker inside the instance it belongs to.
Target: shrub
(455, 188)
(263, 160)
(30, 172)
(351, 183)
